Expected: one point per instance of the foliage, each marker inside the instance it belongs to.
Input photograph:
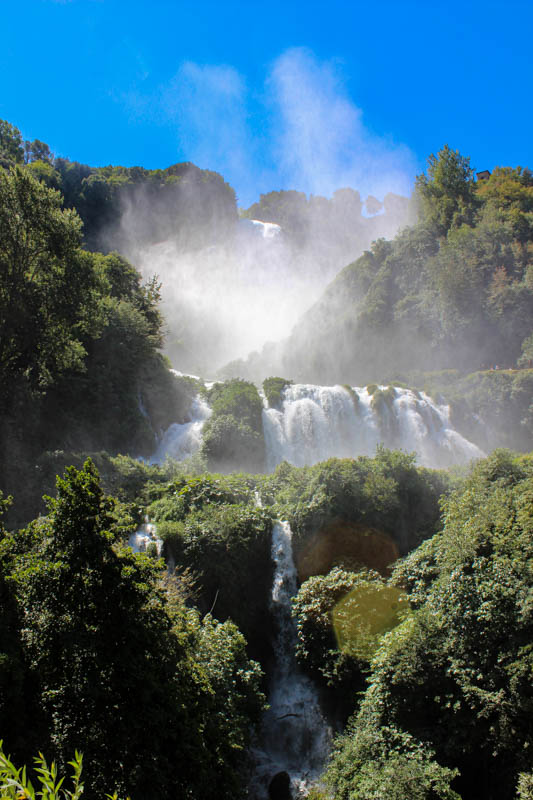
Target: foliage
(233, 436)
(181, 202)
(491, 407)
(455, 290)
(11, 147)
(386, 492)
(187, 494)
(525, 786)
(387, 762)
(239, 399)
(273, 389)
(447, 193)
(229, 444)
(314, 220)
(14, 782)
(79, 339)
(113, 666)
(49, 289)
(317, 648)
(212, 527)
(456, 673)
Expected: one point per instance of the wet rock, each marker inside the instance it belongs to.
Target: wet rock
(279, 787)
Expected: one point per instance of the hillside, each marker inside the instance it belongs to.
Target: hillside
(454, 291)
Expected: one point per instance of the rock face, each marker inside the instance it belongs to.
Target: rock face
(279, 787)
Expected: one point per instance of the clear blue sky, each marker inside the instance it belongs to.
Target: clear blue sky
(304, 95)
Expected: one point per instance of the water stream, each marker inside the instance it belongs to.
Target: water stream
(295, 738)
(143, 537)
(183, 440)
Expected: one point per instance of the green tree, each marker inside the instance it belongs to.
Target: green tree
(37, 151)
(135, 682)
(387, 763)
(317, 647)
(11, 147)
(446, 195)
(49, 289)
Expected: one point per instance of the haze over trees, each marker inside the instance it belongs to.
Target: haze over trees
(452, 291)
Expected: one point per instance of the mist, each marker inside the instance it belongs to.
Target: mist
(240, 285)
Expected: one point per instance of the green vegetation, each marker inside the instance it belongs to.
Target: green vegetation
(386, 494)
(212, 528)
(79, 339)
(491, 407)
(454, 677)
(448, 683)
(99, 656)
(15, 783)
(382, 397)
(316, 219)
(150, 674)
(273, 389)
(233, 436)
(317, 648)
(353, 394)
(182, 201)
(385, 762)
(452, 291)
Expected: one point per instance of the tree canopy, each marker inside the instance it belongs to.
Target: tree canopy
(159, 702)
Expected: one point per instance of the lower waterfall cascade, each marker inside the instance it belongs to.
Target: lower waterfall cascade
(294, 737)
(311, 424)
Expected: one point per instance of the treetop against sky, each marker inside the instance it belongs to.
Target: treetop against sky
(310, 96)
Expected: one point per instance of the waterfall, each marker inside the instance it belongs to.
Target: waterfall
(267, 230)
(315, 423)
(143, 537)
(182, 440)
(318, 422)
(295, 738)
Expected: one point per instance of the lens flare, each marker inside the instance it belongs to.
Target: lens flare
(362, 617)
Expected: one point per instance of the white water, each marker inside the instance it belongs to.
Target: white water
(294, 735)
(267, 230)
(318, 422)
(182, 440)
(144, 536)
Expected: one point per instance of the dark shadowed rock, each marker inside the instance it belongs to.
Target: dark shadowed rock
(279, 787)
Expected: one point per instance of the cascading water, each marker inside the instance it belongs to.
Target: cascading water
(318, 422)
(144, 536)
(182, 440)
(267, 230)
(295, 738)
(179, 441)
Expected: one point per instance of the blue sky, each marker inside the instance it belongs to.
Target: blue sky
(305, 95)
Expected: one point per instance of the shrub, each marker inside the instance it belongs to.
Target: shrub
(273, 389)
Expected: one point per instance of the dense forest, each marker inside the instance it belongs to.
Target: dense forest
(148, 674)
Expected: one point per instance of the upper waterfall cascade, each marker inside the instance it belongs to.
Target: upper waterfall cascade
(319, 422)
